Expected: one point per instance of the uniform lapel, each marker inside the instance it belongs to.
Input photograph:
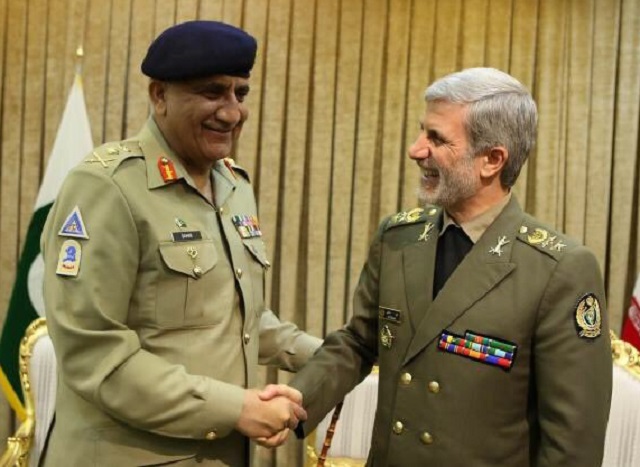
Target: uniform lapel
(479, 273)
(419, 263)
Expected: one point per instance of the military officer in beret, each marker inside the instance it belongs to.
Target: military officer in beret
(489, 328)
(154, 278)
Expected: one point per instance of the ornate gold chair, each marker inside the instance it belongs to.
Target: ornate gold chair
(38, 380)
(351, 438)
(622, 444)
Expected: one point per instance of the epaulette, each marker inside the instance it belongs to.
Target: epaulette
(235, 168)
(110, 155)
(413, 216)
(544, 239)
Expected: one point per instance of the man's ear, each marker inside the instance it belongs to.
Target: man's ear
(157, 95)
(494, 161)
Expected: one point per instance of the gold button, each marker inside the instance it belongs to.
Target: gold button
(164, 160)
(267, 263)
(211, 435)
(434, 387)
(398, 427)
(197, 270)
(239, 273)
(405, 378)
(523, 229)
(426, 438)
(221, 210)
(246, 338)
(432, 211)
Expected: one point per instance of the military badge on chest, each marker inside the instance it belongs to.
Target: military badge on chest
(484, 349)
(184, 234)
(388, 317)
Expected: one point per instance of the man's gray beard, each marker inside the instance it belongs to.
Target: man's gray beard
(453, 191)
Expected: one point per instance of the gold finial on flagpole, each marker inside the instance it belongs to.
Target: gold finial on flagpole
(79, 57)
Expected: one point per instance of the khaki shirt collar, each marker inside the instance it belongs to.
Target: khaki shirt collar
(475, 227)
(154, 147)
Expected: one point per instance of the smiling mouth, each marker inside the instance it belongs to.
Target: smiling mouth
(430, 173)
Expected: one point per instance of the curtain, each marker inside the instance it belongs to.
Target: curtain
(336, 95)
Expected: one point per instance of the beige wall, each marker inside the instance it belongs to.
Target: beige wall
(336, 95)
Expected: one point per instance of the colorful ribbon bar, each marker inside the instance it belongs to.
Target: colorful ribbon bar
(483, 349)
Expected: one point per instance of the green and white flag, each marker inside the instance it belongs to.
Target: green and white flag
(73, 142)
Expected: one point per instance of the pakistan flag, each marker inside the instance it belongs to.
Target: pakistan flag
(73, 142)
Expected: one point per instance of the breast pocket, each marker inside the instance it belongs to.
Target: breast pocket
(258, 266)
(181, 291)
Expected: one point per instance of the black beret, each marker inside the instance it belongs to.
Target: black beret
(197, 49)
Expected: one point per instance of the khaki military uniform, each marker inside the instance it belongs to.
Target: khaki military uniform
(155, 304)
(523, 285)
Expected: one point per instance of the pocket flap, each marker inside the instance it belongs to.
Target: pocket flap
(258, 250)
(187, 257)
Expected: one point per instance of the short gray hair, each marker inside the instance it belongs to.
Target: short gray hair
(502, 112)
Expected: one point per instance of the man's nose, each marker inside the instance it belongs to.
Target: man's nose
(420, 149)
(230, 112)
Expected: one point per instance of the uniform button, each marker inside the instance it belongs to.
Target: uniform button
(197, 270)
(405, 378)
(398, 427)
(434, 387)
(246, 338)
(426, 438)
(239, 273)
(432, 211)
(211, 435)
(221, 210)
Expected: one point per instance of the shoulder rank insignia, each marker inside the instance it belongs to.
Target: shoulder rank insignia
(73, 226)
(588, 316)
(69, 258)
(542, 238)
(407, 217)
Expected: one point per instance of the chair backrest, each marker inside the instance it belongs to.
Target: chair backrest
(622, 443)
(352, 438)
(38, 380)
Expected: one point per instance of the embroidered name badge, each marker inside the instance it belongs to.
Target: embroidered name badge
(588, 316)
(73, 226)
(484, 349)
(247, 226)
(69, 258)
(186, 236)
(390, 314)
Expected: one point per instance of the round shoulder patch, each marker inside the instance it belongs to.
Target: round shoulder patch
(588, 316)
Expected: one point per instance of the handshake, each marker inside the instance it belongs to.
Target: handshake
(269, 414)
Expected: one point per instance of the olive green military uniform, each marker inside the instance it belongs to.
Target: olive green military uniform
(155, 304)
(545, 402)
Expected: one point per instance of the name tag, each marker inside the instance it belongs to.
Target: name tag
(186, 236)
(390, 315)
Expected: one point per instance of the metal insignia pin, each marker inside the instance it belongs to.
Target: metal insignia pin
(424, 236)
(497, 250)
(386, 337)
(180, 223)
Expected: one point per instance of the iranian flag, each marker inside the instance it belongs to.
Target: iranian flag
(73, 142)
(631, 326)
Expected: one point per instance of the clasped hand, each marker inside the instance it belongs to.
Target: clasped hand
(268, 415)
